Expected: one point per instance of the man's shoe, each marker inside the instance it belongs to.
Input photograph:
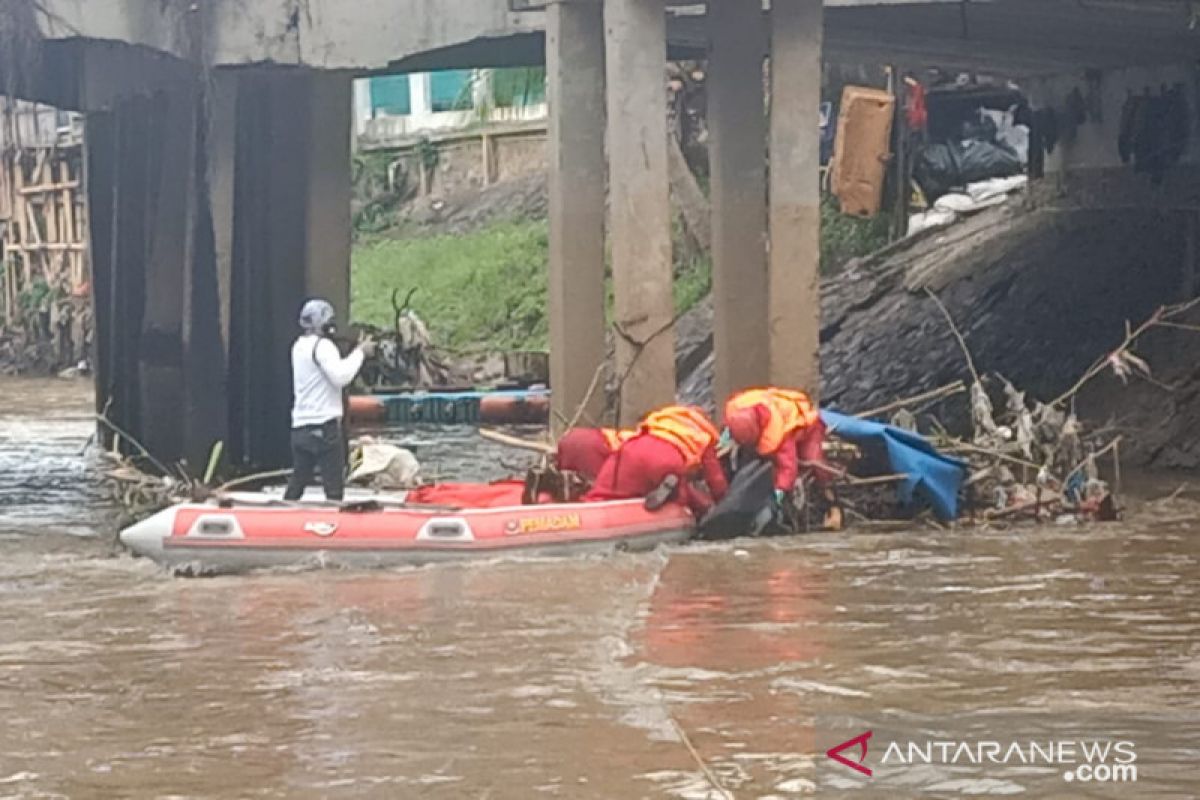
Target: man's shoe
(661, 494)
(835, 520)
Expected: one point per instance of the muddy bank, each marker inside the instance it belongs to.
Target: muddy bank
(1039, 294)
(463, 212)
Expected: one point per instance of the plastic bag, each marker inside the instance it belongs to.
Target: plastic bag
(941, 167)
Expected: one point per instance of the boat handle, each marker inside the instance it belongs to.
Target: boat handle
(448, 530)
(215, 527)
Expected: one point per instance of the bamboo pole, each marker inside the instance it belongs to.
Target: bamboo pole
(514, 441)
(68, 203)
(39, 166)
(81, 236)
(63, 185)
(33, 233)
(50, 217)
(10, 289)
(958, 387)
(68, 206)
(10, 263)
(20, 232)
(47, 247)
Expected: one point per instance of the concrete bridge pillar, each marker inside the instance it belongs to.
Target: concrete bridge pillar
(159, 370)
(737, 149)
(217, 204)
(575, 77)
(639, 211)
(290, 240)
(795, 213)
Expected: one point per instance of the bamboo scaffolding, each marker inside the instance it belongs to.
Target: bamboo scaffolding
(45, 235)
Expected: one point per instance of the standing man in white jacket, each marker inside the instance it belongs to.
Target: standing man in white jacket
(319, 374)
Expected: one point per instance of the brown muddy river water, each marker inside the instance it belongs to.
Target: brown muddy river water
(696, 672)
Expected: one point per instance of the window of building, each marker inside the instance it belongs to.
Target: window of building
(450, 90)
(390, 96)
(519, 86)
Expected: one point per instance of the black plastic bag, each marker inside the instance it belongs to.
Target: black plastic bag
(741, 511)
(936, 170)
(981, 161)
(941, 167)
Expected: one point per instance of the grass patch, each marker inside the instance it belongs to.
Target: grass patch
(692, 282)
(844, 237)
(485, 287)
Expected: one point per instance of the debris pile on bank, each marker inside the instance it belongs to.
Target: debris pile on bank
(407, 359)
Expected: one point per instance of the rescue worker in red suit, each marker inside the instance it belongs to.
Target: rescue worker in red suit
(584, 450)
(782, 426)
(673, 445)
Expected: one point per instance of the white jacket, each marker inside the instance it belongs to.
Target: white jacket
(318, 375)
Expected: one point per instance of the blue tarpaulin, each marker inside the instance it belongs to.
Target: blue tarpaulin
(932, 477)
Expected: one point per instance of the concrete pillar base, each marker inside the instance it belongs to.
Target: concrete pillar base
(640, 213)
(575, 74)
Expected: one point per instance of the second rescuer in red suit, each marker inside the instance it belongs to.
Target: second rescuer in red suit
(584, 450)
(676, 440)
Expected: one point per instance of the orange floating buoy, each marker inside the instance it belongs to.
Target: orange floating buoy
(507, 408)
(365, 408)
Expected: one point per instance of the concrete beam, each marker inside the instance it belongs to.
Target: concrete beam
(640, 212)
(575, 78)
(737, 165)
(409, 35)
(325, 34)
(795, 214)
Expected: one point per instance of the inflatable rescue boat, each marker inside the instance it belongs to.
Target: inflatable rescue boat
(251, 530)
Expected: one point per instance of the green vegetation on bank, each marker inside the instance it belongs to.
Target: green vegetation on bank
(488, 288)
(482, 288)
(844, 237)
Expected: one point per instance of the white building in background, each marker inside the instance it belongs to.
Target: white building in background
(25, 124)
(392, 109)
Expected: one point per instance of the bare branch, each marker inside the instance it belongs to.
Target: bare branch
(962, 343)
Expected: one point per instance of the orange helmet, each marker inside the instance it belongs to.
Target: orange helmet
(744, 426)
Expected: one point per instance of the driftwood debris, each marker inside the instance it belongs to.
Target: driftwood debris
(943, 393)
(1031, 457)
(515, 441)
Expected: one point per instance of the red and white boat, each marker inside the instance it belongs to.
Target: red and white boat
(250, 530)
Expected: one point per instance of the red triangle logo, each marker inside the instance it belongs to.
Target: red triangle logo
(861, 741)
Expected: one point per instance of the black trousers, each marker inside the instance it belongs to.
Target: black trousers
(318, 447)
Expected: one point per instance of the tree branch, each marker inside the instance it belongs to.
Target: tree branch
(962, 343)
